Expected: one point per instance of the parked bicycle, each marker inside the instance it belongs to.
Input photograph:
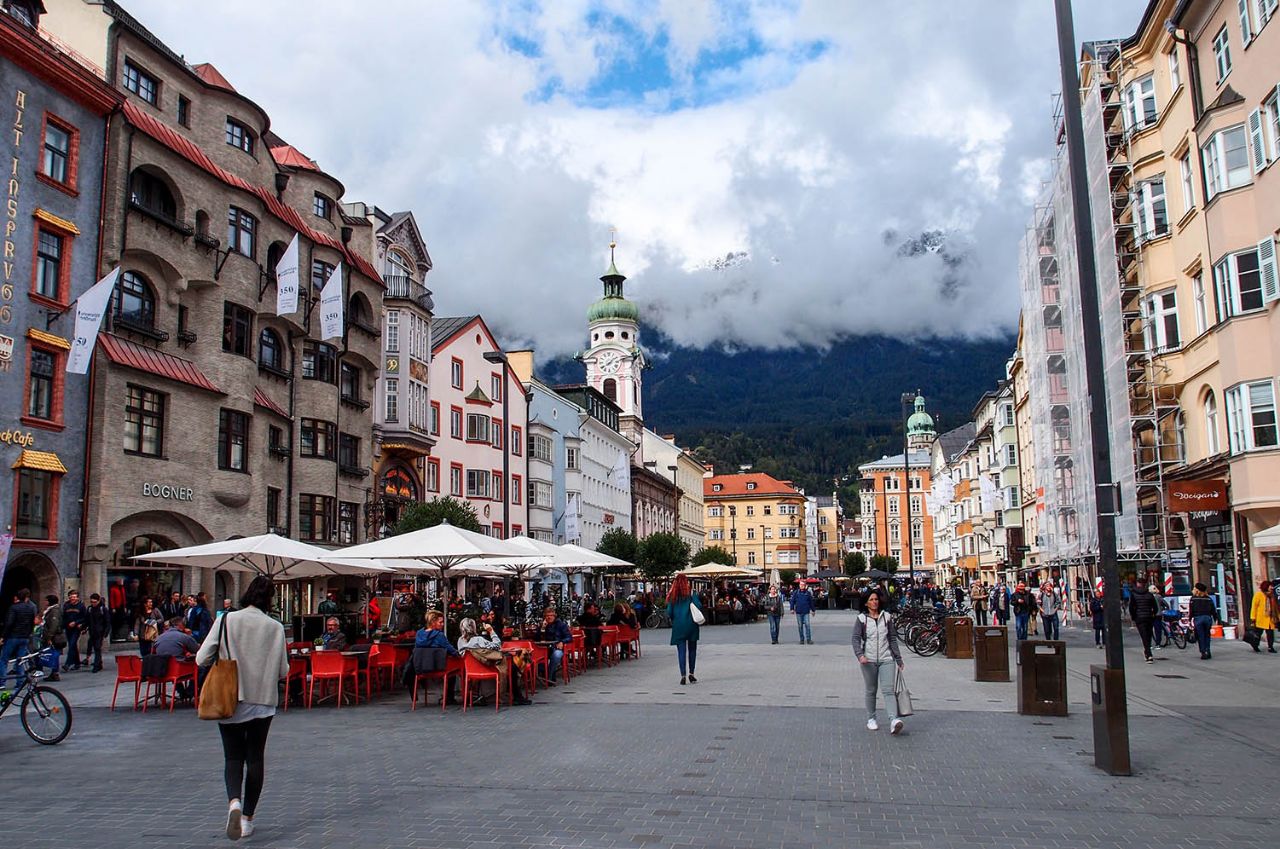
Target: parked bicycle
(45, 712)
(658, 619)
(1175, 630)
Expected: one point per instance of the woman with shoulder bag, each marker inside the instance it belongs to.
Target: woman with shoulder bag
(681, 607)
(147, 625)
(52, 636)
(875, 644)
(255, 643)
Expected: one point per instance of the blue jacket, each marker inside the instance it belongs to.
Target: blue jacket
(802, 602)
(682, 625)
(433, 639)
(556, 632)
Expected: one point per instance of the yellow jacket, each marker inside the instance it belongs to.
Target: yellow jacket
(1260, 611)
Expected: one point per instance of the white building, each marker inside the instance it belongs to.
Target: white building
(468, 394)
(663, 456)
(615, 362)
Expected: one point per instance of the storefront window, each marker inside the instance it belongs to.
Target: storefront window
(154, 580)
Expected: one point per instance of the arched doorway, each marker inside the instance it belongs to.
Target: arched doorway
(399, 489)
(33, 571)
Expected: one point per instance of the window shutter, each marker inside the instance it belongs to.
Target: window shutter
(1246, 32)
(1255, 141)
(1267, 270)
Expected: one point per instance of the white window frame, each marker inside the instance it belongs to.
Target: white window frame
(1246, 402)
(1188, 183)
(391, 408)
(1200, 303)
(1266, 10)
(571, 458)
(1160, 328)
(1271, 109)
(1136, 96)
(1175, 70)
(479, 428)
(478, 483)
(1011, 455)
(1218, 177)
(1212, 438)
(1222, 53)
(1246, 25)
(1226, 284)
(715, 512)
(393, 332)
(1153, 209)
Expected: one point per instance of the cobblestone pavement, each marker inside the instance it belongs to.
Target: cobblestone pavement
(767, 750)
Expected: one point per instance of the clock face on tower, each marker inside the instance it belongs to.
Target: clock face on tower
(610, 362)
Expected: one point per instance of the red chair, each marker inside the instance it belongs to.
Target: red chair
(530, 671)
(382, 661)
(329, 666)
(630, 637)
(452, 669)
(297, 672)
(177, 672)
(609, 644)
(128, 671)
(474, 670)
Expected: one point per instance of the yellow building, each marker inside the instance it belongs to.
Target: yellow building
(758, 519)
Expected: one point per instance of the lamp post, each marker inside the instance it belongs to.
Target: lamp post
(908, 401)
(1110, 711)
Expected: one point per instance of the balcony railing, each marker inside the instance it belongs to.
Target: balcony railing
(161, 217)
(403, 286)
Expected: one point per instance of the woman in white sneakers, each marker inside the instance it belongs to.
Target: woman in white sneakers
(256, 643)
(875, 643)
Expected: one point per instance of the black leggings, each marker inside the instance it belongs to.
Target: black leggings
(244, 745)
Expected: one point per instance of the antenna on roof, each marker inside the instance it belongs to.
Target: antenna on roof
(613, 241)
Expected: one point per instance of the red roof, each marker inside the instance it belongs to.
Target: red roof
(290, 156)
(130, 354)
(212, 76)
(188, 150)
(260, 399)
(736, 485)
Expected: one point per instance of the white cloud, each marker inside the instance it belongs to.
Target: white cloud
(916, 116)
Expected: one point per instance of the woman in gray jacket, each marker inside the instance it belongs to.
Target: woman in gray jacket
(875, 644)
(256, 643)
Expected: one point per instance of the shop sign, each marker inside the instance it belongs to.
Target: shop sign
(1207, 518)
(171, 493)
(1180, 559)
(1191, 496)
(6, 348)
(18, 438)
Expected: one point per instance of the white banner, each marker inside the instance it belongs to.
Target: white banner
(287, 280)
(621, 472)
(571, 533)
(89, 310)
(990, 497)
(331, 305)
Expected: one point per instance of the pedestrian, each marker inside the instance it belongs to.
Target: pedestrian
(172, 606)
(147, 625)
(684, 630)
(1159, 635)
(256, 642)
(227, 607)
(1203, 612)
(875, 644)
(1050, 606)
(1144, 609)
(74, 614)
(198, 619)
(98, 625)
(53, 637)
(978, 594)
(19, 624)
(802, 606)
(999, 602)
(117, 603)
(1023, 604)
(1097, 613)
(1264, 614)
(774, 609)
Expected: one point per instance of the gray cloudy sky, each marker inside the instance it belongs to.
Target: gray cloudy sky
(813, 138)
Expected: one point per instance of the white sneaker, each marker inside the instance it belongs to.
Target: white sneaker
(235, 822)
(246, 827)
(872, 725)
(895, 727)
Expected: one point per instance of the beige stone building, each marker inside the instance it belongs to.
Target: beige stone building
(212, 417)
(663, 456)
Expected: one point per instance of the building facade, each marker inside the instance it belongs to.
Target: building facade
(892, 488)
(665, 457)
(615, 361)
(57, 115)
(759, 519)
(212, 416)
(603, 498)
(830, 532)
(483, 414)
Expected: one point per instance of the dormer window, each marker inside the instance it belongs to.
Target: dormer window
(238, 135)
(322, 207)
(751, 486)
(23, 10)
(715, 487)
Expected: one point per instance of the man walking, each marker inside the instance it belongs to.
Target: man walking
(802, 606)
(999, 601)
(19, 624)
(98, 623)
(1050, 606)
(1024, 607)
(1143, 610)
(73, 621)
(978, 594)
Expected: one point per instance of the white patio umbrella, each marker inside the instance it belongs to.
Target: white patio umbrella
(447, 548)
(277, 557)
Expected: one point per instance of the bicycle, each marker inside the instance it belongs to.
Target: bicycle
(1175, 631)
(45, 712)
(658, 619)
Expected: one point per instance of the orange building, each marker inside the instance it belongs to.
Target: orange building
(758, 519)
(888, 507)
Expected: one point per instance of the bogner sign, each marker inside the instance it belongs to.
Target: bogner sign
(1197, 496)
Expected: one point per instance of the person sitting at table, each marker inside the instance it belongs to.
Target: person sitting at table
(555, 634)
(623, 616)
(590, 621)
(176, 641)
(330, 605)
(333, 639)
(493, 618)
(433, 636)
(485, 637)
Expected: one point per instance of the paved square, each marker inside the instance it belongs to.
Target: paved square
(769, 750)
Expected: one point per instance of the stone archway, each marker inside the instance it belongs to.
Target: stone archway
(30, 570)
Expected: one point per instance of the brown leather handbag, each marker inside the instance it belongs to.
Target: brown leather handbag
(220, 692)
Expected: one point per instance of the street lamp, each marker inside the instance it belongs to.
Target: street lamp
(908, 401)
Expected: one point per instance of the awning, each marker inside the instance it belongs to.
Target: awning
(1268, 540)
(41, 461)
